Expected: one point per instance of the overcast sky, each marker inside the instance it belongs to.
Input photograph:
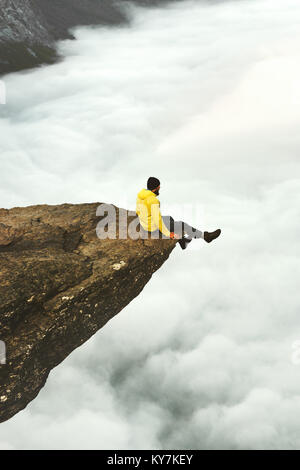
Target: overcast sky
(205, 96)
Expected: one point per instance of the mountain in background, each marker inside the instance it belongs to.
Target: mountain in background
(29, 28)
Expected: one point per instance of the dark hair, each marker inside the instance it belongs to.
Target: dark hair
(152, 183)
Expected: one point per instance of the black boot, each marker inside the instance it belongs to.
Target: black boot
(210, 236)
(183, 242)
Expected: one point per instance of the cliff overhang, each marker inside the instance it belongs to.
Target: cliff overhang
(59, 284)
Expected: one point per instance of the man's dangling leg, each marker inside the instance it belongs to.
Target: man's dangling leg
(192, 232)
(195, 233)
(188, 233)
(176, 228)
(186, 229)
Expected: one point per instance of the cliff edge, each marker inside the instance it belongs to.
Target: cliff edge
(59, 284)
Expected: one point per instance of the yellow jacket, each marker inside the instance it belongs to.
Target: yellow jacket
(148, 210)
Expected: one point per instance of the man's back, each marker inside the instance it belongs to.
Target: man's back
(144, 202)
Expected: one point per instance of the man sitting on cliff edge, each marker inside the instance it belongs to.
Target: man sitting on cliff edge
(148, 211)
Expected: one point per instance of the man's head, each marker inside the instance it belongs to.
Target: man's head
(153, 184)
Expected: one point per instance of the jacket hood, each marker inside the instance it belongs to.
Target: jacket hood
(144, 193)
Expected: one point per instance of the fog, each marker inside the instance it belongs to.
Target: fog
(204, 96)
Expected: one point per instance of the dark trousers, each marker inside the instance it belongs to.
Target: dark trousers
(177, 226)
(181, 228)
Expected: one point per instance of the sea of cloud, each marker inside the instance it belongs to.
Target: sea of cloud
(205, 96)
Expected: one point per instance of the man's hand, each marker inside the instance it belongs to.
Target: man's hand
(174, 236)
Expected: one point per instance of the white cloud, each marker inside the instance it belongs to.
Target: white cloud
(206, 98)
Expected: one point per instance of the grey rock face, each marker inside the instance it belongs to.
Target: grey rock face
(59, 284)
(19, 21)
(29, 28)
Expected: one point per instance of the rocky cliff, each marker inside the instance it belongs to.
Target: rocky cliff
(29, 28)
(59, 284)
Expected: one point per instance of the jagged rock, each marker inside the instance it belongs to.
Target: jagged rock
(29, 28)
(59, 284)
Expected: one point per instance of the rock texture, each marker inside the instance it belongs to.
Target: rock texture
(59, 284)
(29, 28)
